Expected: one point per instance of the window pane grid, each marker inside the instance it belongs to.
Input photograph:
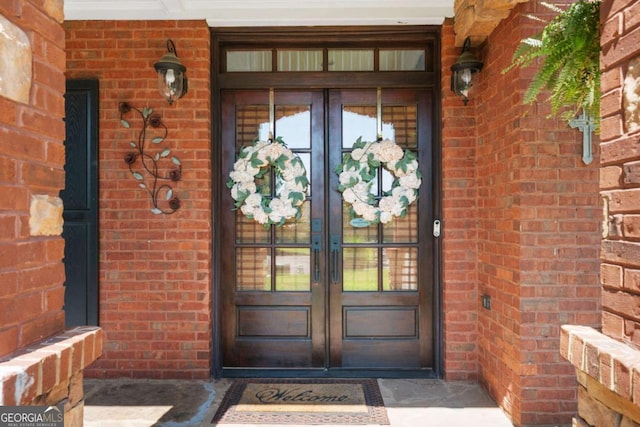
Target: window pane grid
(253, 269)
(402, 60)
(403, 119)
(312, 60)
(400, 269)
(257, 269)
(240, 61)
(351, 59)
(249, 120)
(299, 60)
(293, 268)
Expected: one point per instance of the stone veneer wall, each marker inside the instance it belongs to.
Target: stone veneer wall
(40, 364)
(608, 362)
(31, 172)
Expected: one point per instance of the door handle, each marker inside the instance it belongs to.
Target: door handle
(316, 247)
(335, 258)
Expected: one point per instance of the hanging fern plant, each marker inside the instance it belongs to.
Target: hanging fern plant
(569, 46)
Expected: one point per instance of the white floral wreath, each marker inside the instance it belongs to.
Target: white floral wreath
(291, 182)
(358, 171)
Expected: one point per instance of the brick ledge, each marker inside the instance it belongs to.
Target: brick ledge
(612, 363)
(36, 369)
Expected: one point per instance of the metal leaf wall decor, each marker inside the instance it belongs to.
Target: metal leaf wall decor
(154, 168)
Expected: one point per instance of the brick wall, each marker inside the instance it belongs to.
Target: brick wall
(459, 251)
(607, 363)
(31, 164)
(155, 270)
(534, 211)
(620, 173)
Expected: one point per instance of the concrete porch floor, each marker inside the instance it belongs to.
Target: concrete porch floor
(174, 403)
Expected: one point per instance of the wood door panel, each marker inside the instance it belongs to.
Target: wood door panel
(271, 353)
(366, 353)
(274, 322)
(380, 322)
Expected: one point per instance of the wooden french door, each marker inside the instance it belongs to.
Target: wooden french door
(323, 292)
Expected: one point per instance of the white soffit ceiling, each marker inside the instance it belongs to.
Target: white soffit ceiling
(231, 13)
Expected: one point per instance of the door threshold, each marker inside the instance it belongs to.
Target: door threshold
(327, 373)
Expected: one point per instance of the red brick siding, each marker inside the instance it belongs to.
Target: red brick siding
(155, 270)
(459, 250)
(32, 162)
(534, 213)
(619, 178)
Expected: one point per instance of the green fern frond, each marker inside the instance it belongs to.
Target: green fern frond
(551, 7)
(535, 18)
(569, 46)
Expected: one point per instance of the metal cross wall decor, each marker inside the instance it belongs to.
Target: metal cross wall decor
(586, 125)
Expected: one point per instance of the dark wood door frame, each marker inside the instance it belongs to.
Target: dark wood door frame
(389, 36)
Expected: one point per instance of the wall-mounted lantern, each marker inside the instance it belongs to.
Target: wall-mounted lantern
(172, 81)
(463, 70)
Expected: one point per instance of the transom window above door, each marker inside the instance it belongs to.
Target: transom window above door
(326, 59)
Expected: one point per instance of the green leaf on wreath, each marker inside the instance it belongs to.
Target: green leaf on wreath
(281, 161)
(296, 197)
(157, 140)
(359, 143)
(242, 195)
(366, 176)
(125, 123)
(262, 173)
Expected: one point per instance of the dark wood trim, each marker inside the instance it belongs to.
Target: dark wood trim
(216, 203)
(328, 80)
(327, 36)
(328, 373)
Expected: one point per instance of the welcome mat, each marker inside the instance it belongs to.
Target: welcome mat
(315, 401)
